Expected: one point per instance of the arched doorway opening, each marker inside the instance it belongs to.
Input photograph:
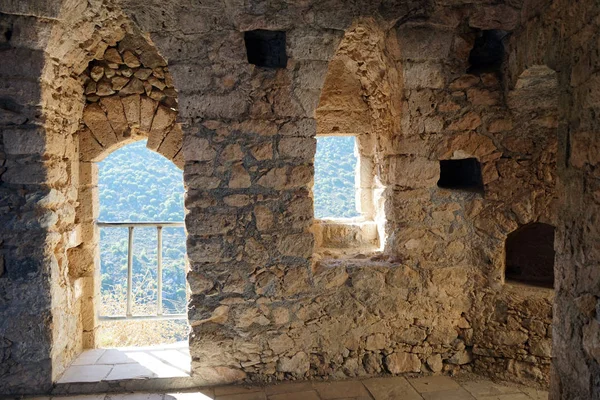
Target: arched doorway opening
(131, 245)
(147, 307)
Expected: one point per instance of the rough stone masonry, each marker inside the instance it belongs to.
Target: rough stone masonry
(417, 287)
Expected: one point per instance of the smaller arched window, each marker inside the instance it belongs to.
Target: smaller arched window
(530, 255)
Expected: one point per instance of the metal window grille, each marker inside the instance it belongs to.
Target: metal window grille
(159, 308)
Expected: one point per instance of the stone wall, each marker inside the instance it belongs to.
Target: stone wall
(262, 307)
(564, 36)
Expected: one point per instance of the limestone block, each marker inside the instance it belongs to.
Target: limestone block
(97, 72)
(198, 149)
(206, 224)
(112, 56)
(298, 364)
(296, 245)
(461, 357)
(104, 88)
(89, 148)
(302, 148)
(464, 82)
(147, 111)
(172, 143)
(275, 178)
(434, 362)
(469, 121)
(118, 83)
(541, 347)
(232, 152)
(302, 128)
(24, 141)
(262, 151)
(202, 250)
(131, 59)
(419, 42)
(398, 363)
(264, 218)
(116, 115)
(96, 120)
(143, 74)
(482, 97)
(239, 177)
(499, 16)
(423, 75)
(131, 107)
(411, 172)
(161, 123)
(135, 86)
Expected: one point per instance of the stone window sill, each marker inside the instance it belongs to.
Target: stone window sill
(342, 235)
(527, 290)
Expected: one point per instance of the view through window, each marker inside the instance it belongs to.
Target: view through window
(335, 173)
(138, 185)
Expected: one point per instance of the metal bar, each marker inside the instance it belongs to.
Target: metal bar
(142, 317)
(139, 224)
(130, 271)
(159, 284)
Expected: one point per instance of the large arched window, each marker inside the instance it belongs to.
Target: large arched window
(139, 186)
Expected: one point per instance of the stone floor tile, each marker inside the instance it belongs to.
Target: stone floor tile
(244, 396)
(450, 394)
(85, 373)
(508, 396)
(199, 395)
(100, 396)
(391, 389)
(288, 388)
(115, 356)
(135, 396)
(234, 389)
(433, 383)
(130, 371)
(341, 390)
(89, 357)
(159, 368)
(536, 394)
(174, 358)
(306, 395)
(487, 388)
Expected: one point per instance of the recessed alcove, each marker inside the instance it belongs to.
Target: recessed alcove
(488, 51)
(530, 255)
(266, 48)
(461, 175)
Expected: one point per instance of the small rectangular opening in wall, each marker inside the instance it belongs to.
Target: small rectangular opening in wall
(463, 175)
(335, 177)
(266, 48)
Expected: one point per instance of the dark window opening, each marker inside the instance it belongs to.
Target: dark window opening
(464, 175)
(488, 52)
(530, 255)
(266, 48)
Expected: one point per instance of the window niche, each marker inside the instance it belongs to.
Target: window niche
(266, 48)
(335, 185)
(487, 54)
(461, 175)
(530, 255)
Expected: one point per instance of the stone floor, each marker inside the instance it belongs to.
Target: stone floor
(166, 361)
(465, 387)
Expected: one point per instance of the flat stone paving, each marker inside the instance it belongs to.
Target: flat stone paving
(464, 387)
(98, 365)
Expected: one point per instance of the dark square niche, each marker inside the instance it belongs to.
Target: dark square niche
(463, 175)
(266, 48)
